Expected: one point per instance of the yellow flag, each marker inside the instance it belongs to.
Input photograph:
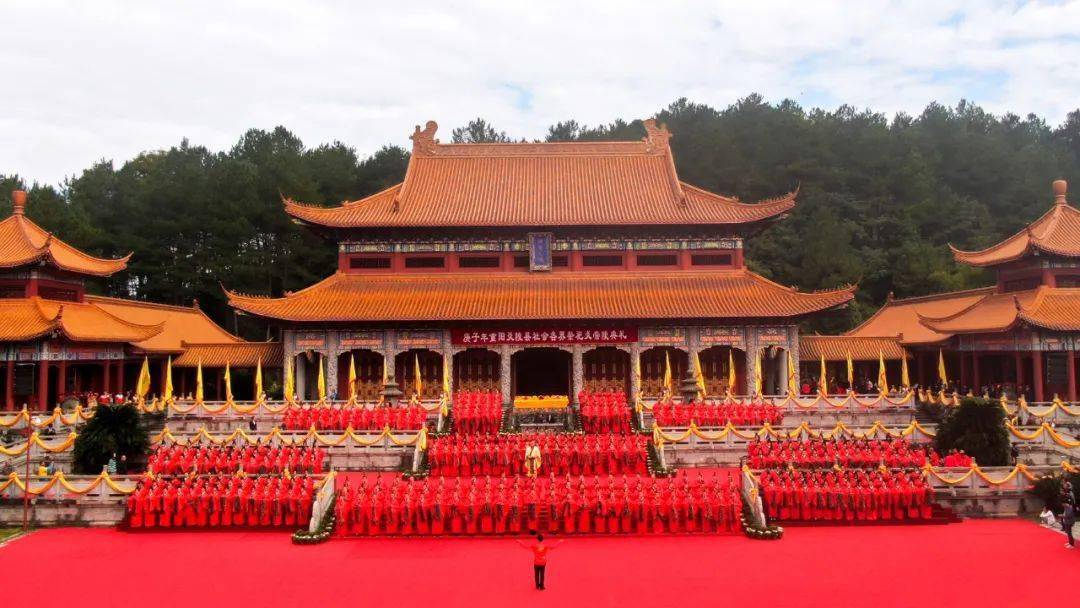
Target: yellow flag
(417, 379)
(667, 374)
(850, 373)
(823, 381)
(142, 387)
(731, 379)
(385, 373)
(445, 378)
(198, 383)
(941, 368)
(258, 380)
(757, 376)
(699, 376)
(905, 380)
(228, 383)
(352, 377)
(792, 376)
(882, 377)
(167, 392)
(289, 389)
(322, 380)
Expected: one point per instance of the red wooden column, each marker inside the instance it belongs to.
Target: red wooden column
(1019, 362)
(61, 379)
(161, 383)
(976, 383)
(106, 371)
(1037, 372)
(963, 370)
(1070, 360)
(120, 377)
(43, 384)
(9, 386)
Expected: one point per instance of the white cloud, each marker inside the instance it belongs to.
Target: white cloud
(111, 78)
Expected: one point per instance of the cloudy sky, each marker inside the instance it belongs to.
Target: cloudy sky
(107, 79)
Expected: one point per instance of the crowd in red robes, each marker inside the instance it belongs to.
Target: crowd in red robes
(399, 418)
(957, 458)
(845, 495)
(561, 454)
(604, 412)
(250, 459)
(716, 414)
(818, 453)
(216, 501)
(477, 412)
(568, 505)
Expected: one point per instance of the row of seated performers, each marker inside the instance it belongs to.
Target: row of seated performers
(560, 454)
(486, 505)
(217, 501)
(846, 495)
(261, 459)
(894, 453)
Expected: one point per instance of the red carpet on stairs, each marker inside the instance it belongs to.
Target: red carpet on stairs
(977, 564)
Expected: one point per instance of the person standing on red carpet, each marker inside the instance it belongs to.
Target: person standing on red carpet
(540, 553)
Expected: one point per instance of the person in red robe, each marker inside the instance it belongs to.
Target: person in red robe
(202, 507)
(168, 506)
(439, 508)
(532, 500)
(657, 511)
(135, 504)
(393, 509)
(457, 506)
(343, 510)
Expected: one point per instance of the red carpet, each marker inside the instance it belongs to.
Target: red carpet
(975, 564)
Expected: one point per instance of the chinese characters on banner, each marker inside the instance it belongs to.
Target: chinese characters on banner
(461, 337)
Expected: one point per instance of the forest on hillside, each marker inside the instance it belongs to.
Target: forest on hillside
(880, 198)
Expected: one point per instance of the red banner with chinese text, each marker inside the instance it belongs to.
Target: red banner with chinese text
(463, 337)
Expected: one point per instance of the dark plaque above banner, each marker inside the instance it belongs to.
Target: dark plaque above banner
(461, 337)
(539, 251)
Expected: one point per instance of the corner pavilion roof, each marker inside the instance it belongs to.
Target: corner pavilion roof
(23, 242)
(1046, 307)
(239, 354)
(837, 348)
(902, 317)
(1057, 232)
(178, 324)
(32, 318)
(540, 184)
(933, 319)
(477, 296)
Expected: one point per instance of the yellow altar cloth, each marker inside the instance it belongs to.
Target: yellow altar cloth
(541, 402)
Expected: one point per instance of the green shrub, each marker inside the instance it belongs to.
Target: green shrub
(976, 426)
(112, 430)
(1048, 489)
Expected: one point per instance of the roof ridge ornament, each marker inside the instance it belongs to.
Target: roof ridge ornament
(424, 141)
(657, 137)
(657, 141)
(1061, 187)
(18, 202)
